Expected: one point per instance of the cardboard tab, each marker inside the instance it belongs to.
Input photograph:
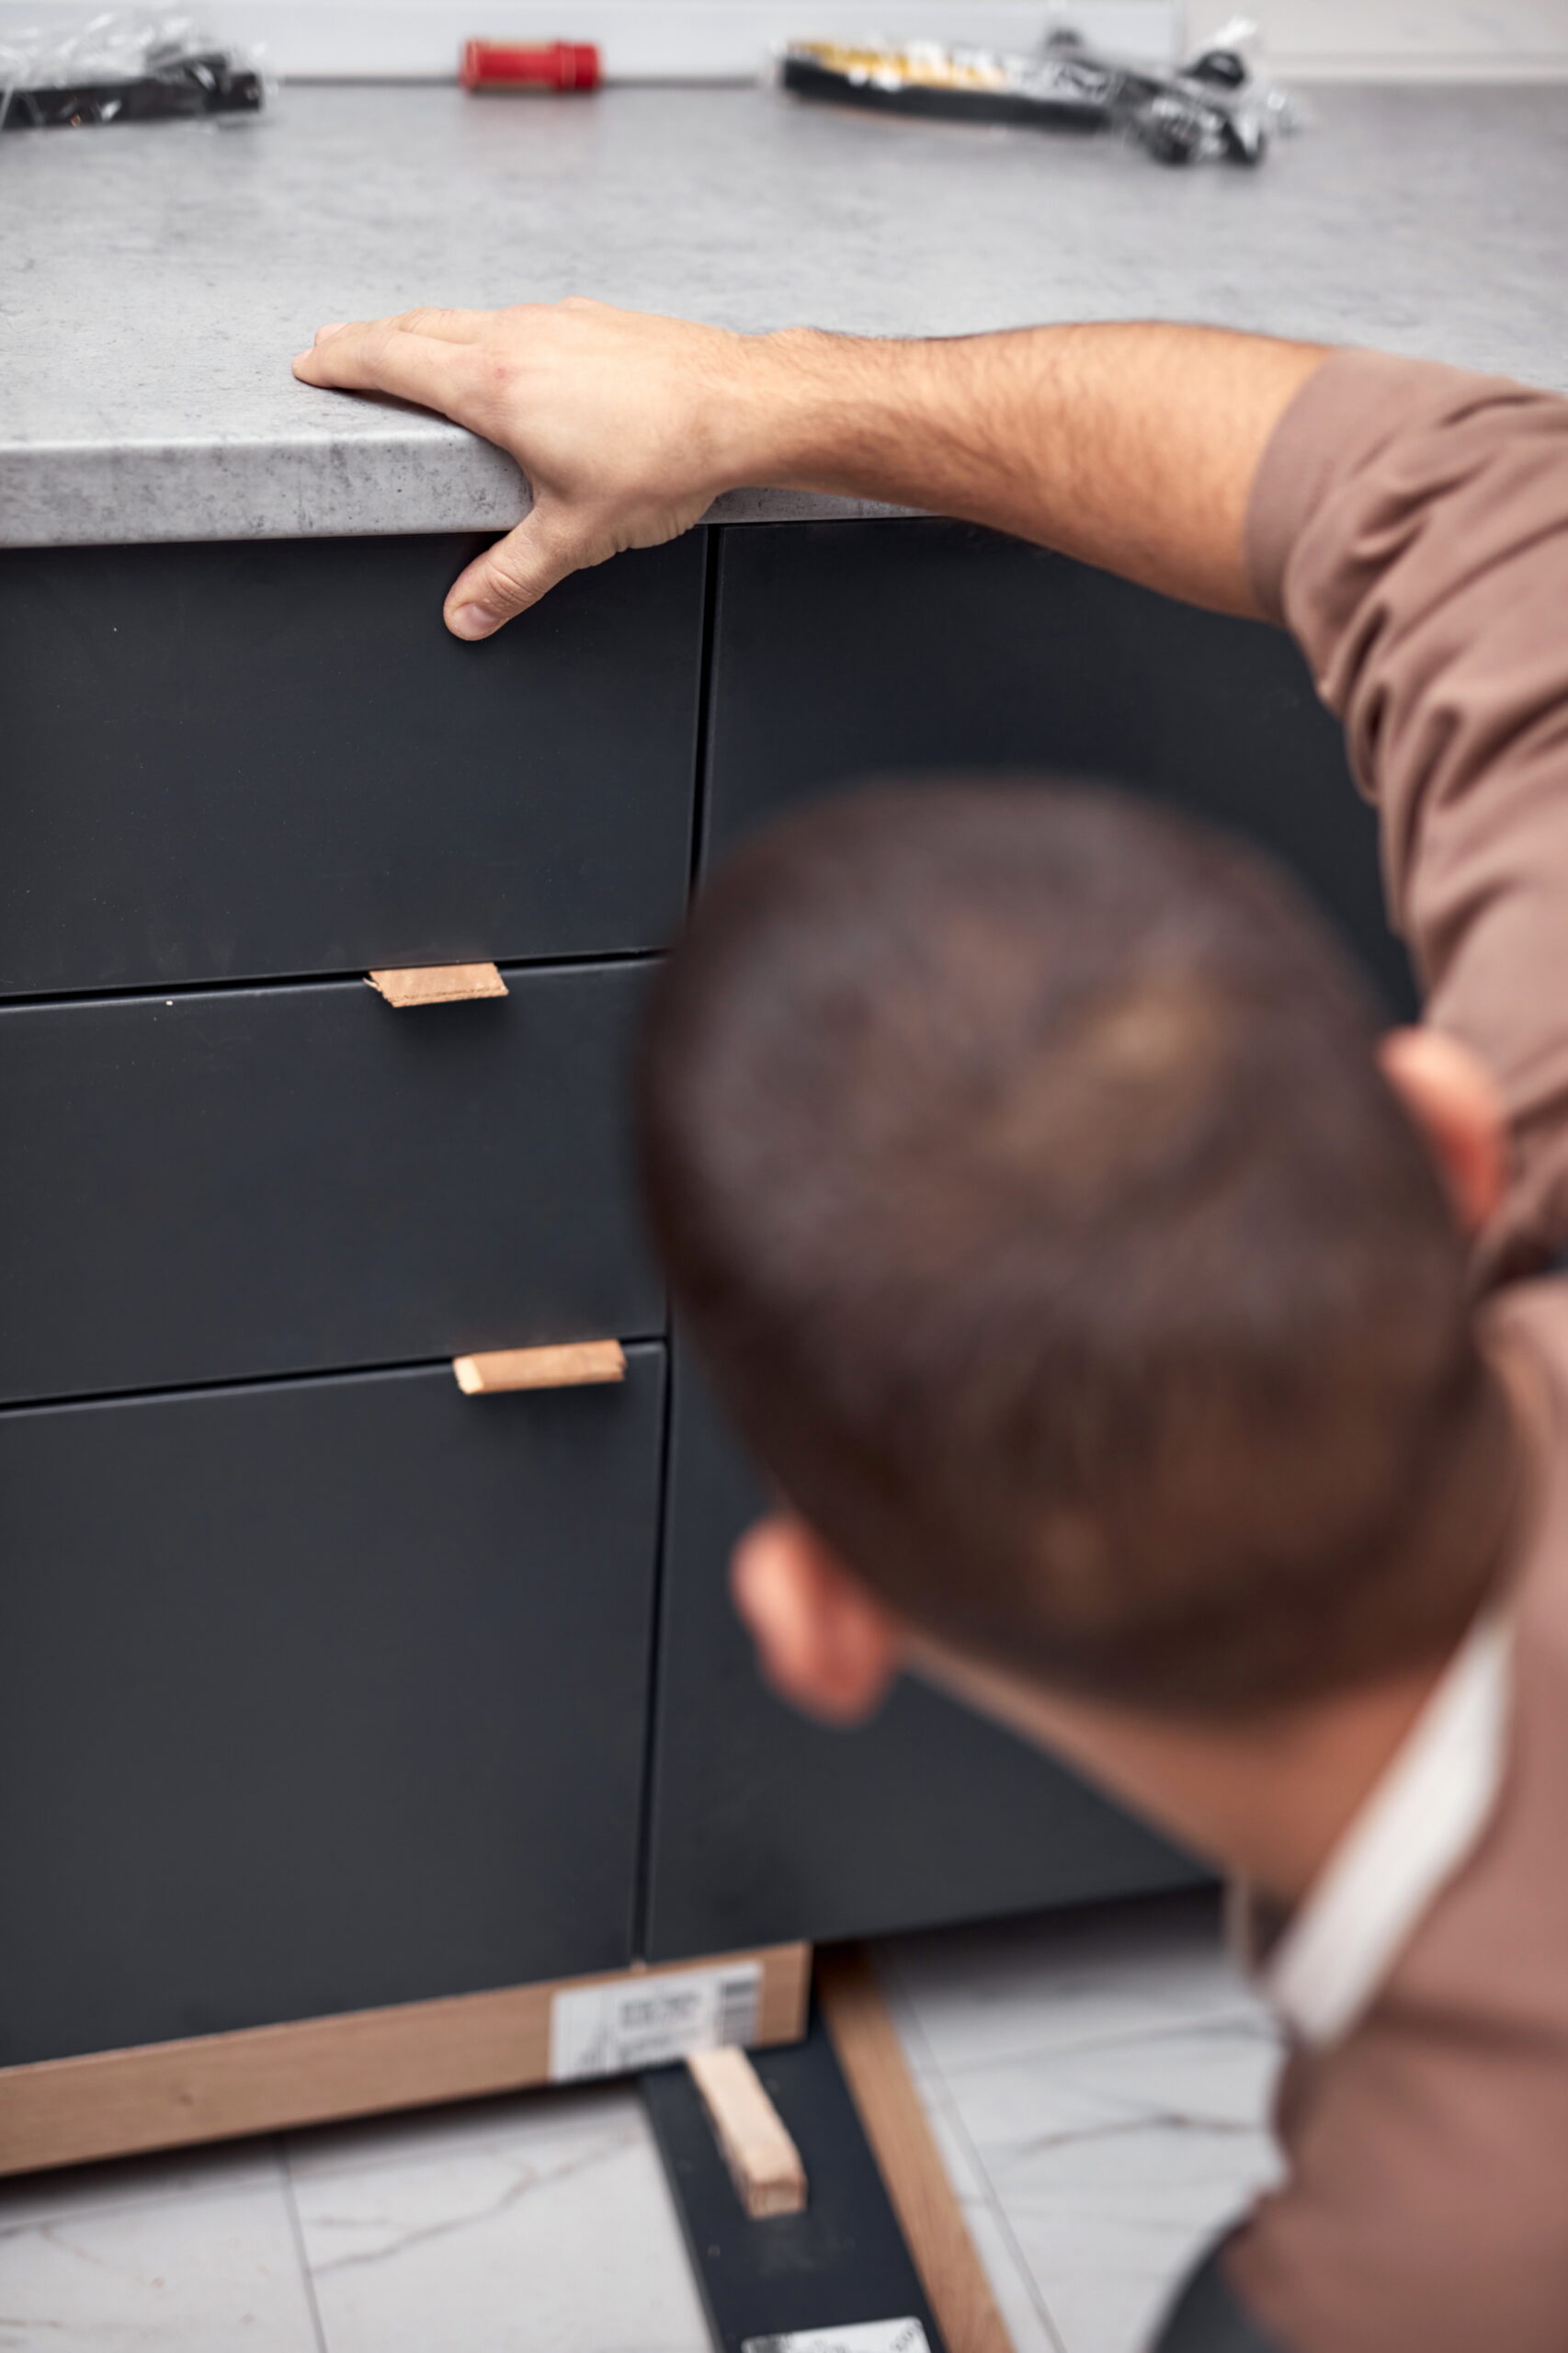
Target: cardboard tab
(579, 1365)
(437, 983)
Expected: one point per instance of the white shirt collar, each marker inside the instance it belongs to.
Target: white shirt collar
(1409, 1837)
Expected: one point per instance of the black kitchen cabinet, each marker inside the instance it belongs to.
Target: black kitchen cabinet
(317, 1695)
(242, 1181)
(250, 761)
(322, 1687)
(844, 651)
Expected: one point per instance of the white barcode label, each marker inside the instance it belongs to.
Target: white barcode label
(866, 2336)
(647, 2021)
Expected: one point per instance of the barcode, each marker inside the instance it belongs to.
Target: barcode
(736, 2019)
(650, 2019)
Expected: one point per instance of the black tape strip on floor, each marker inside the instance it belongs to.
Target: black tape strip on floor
(837, 2278)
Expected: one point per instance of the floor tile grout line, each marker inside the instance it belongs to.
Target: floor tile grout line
(297, 2230)
(996, 2208)
(931, 2076)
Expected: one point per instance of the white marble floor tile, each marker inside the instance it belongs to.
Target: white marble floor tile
(1215, 2076)
(1047, 1982)
(1112, 2165)
(425, 2133)
(552, 2230)
(1110, 2218)
(211, 2266)
(1023, 2309)
(133, 2181)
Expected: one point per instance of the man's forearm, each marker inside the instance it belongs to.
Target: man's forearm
(1132, 447)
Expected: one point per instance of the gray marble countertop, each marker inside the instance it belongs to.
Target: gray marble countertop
(155, 279)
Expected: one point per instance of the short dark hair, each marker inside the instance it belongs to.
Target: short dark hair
(1021, 1163)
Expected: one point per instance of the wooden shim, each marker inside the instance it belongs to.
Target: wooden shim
(579, 1365)
(923, 2198)
(437, 983)
(318, 2071)
(763, 2162)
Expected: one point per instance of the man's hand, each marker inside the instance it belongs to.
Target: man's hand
(622, 423)
(1133, 447)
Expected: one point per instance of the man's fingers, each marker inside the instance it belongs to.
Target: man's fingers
(381, 357)
(446, 326)
(513, 574)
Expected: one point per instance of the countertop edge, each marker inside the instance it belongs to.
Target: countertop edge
(150, 494)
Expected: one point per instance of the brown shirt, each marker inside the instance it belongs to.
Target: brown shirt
(1409, 524)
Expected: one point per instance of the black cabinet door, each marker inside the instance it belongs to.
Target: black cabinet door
(848, 650)
(244, 1181)
(249, 761)
(315, 1696)
(768, 1827)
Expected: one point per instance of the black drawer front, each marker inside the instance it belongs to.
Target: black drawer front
(235, 762)
(317, 1696)
(282, 1180)
(765, 1826)
(848, 650)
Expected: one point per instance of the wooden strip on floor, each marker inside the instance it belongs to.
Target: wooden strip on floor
(763, 2162)
(869, 2051)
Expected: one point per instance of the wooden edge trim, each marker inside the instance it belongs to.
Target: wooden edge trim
(764, 2162)
(437, 983)
(319, 2071)
(872, 2056)
(579, 1365)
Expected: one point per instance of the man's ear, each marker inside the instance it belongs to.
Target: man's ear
(1453, 1099)
(823, 1640)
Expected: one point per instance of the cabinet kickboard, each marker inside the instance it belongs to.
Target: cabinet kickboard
(317, 2071)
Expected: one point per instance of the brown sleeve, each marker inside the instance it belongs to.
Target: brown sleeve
(1409, 525)
(1419, 2215)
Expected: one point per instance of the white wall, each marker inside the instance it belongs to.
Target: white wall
(1506, 38)
(677, 38)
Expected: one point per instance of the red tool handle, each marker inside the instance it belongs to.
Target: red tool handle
(543, 65)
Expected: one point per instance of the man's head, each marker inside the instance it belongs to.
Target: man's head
(1024, 1168)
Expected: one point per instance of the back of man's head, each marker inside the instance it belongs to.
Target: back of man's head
(1022, 1163)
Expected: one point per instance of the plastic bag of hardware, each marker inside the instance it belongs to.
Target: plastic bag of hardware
(125, 67)
(1217, 103)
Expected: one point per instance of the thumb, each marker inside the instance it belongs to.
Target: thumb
(513, 574)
